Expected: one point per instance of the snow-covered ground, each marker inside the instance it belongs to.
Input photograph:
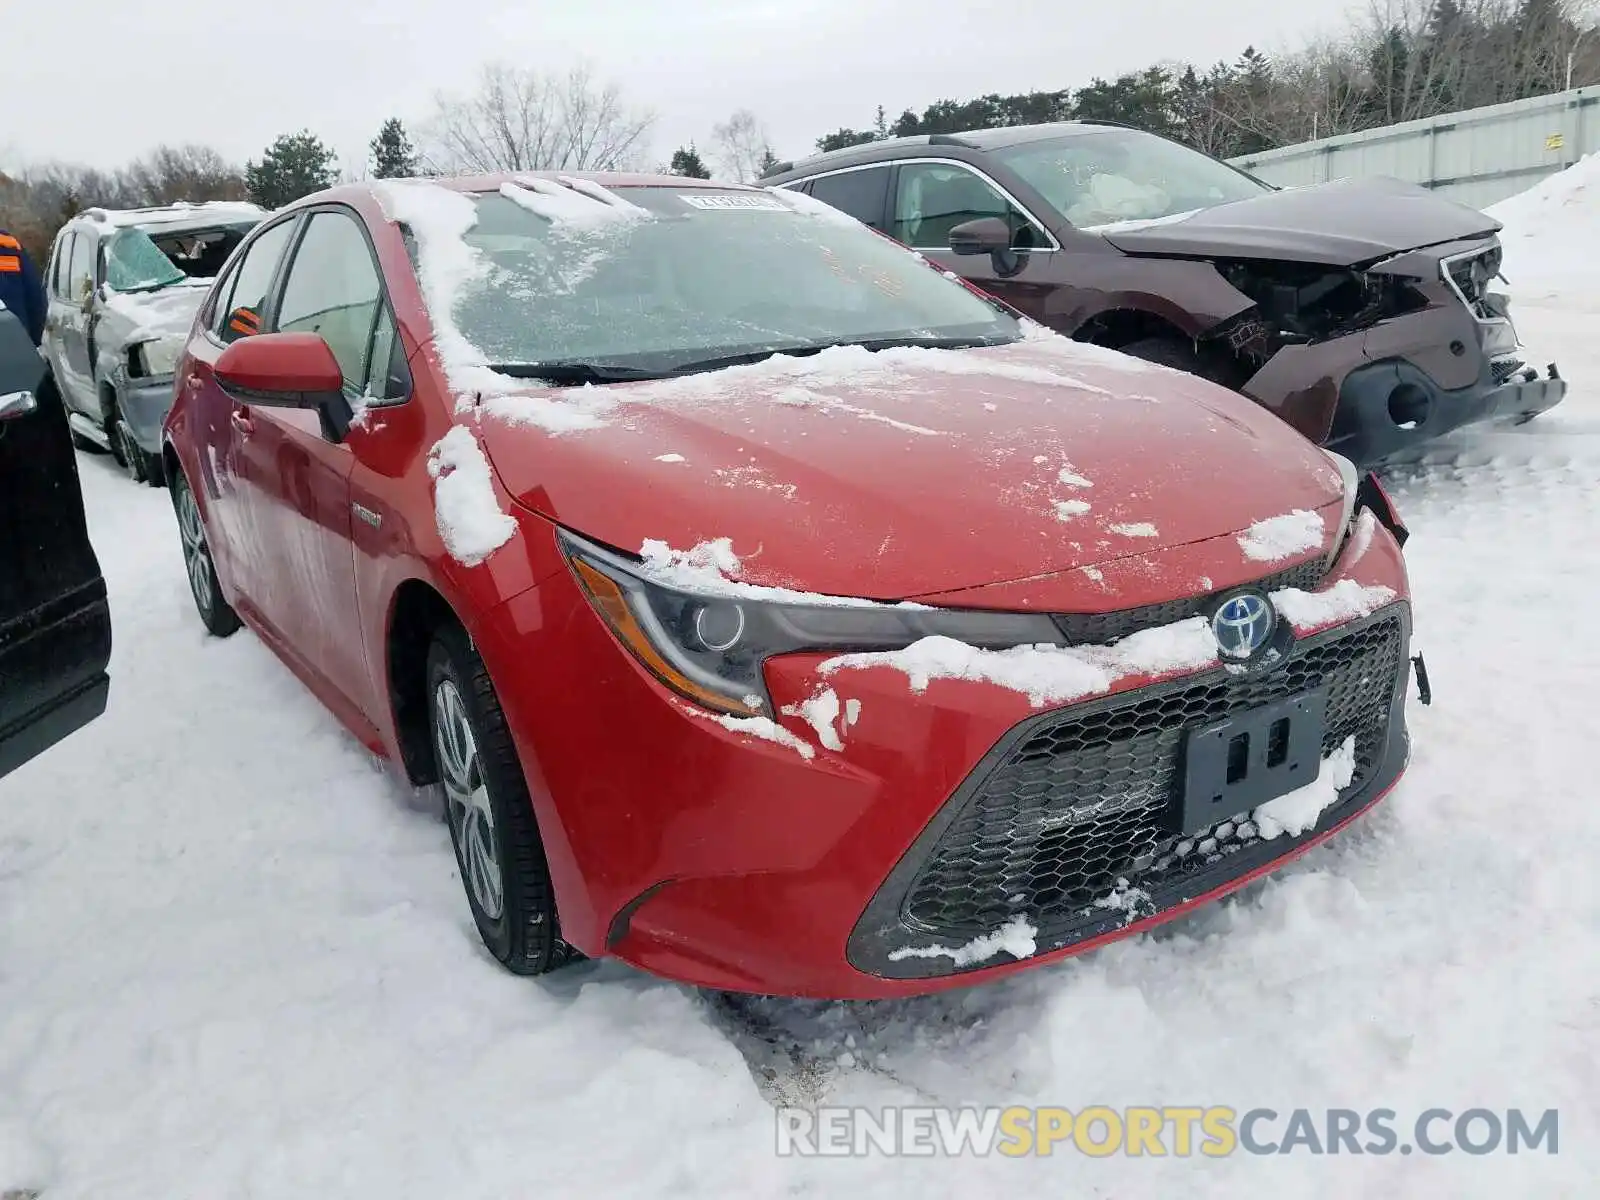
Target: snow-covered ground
(235, 960)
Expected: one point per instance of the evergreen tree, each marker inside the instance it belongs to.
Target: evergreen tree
(295, 165)
(393, 155)
(840, 138)
(686, 162)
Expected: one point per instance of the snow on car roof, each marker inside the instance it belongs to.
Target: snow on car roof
(212, 212)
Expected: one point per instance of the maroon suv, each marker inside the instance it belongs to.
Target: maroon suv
(1359, 311)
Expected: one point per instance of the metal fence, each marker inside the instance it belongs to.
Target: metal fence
(1478, 157)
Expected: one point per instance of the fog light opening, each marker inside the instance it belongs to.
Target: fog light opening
(1408, 406)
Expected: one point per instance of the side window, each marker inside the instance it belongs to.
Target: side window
(859, 193)
(334, 289)
(931, 199)
(239, 307)
(388, 378)
(80, 268)
(59, 265)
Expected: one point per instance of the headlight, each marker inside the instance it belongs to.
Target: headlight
(1499, 337)
(1352, 485)
(158, 357)
(711, 646)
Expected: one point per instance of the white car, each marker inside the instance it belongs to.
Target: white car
(123, 288)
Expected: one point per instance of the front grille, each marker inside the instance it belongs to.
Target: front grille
(1101, 629)
(1504, 368)
(1083, 808)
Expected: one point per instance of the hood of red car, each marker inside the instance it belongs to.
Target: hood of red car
(907, 473)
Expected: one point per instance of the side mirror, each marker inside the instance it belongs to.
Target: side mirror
(288, 370)
(986, 235)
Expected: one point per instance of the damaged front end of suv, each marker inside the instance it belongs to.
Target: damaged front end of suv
(1376, 359)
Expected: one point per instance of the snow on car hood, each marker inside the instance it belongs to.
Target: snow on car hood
(910, 472)
(166, 312)
(1342, 223)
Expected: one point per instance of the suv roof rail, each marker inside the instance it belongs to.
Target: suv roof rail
(915, 139)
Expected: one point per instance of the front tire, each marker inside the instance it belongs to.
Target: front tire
(496, 838)
(141, 466)
(215, 612)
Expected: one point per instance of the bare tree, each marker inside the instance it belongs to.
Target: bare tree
(193, 173)
(521, 120)
(742, 148)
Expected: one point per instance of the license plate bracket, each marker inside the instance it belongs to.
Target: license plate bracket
(1244, 760)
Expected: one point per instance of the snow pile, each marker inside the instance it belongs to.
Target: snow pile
(1552, 232)
(1278, 538)
(1045, 674)
(1298, 811)
(1136, 529)
(711, 568)
(166, 313)
(440, 219)
(799, 397)
(573, 203)
(1344, 601)
(822, 712)
(1066, 510)
(670, 458)
(467, 511)
(1016, 938)
(1070, 478)
(764, 728)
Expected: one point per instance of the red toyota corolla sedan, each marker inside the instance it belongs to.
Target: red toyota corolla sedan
(776, 613)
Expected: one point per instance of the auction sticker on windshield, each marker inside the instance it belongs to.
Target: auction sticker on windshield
(735, 202)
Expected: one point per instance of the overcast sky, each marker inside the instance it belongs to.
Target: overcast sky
(102, 81)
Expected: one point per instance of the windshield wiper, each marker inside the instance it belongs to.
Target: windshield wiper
(804, 349)
(575, 372)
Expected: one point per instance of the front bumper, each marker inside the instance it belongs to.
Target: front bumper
(144, 405)
(1387, 408)
(707, 855)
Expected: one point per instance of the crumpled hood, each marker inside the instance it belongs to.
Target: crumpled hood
(909, 472)
(1343, 223)
(168, 312)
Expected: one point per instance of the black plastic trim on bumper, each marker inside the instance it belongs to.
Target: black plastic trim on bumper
(884, 926)
(1365, 432)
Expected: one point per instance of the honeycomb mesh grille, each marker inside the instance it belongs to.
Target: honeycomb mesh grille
(1083, 808)
(1101, 629)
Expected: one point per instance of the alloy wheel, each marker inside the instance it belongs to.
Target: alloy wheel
(196, 556)
(467, 799)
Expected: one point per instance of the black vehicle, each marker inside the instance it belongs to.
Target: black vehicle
(55, 624)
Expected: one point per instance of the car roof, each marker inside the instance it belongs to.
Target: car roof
(173, 217)
(346, 192)
(970, 140)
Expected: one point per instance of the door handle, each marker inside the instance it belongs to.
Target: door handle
(242, 422)
(191, 381)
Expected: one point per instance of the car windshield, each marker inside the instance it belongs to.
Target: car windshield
(1103, 178)
(134, 263)
(697, 275)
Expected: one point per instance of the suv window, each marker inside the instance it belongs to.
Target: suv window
(80, 270)
(238, 312)
(58, 266)
(859, 193)
(931, 199)
(334, 289)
